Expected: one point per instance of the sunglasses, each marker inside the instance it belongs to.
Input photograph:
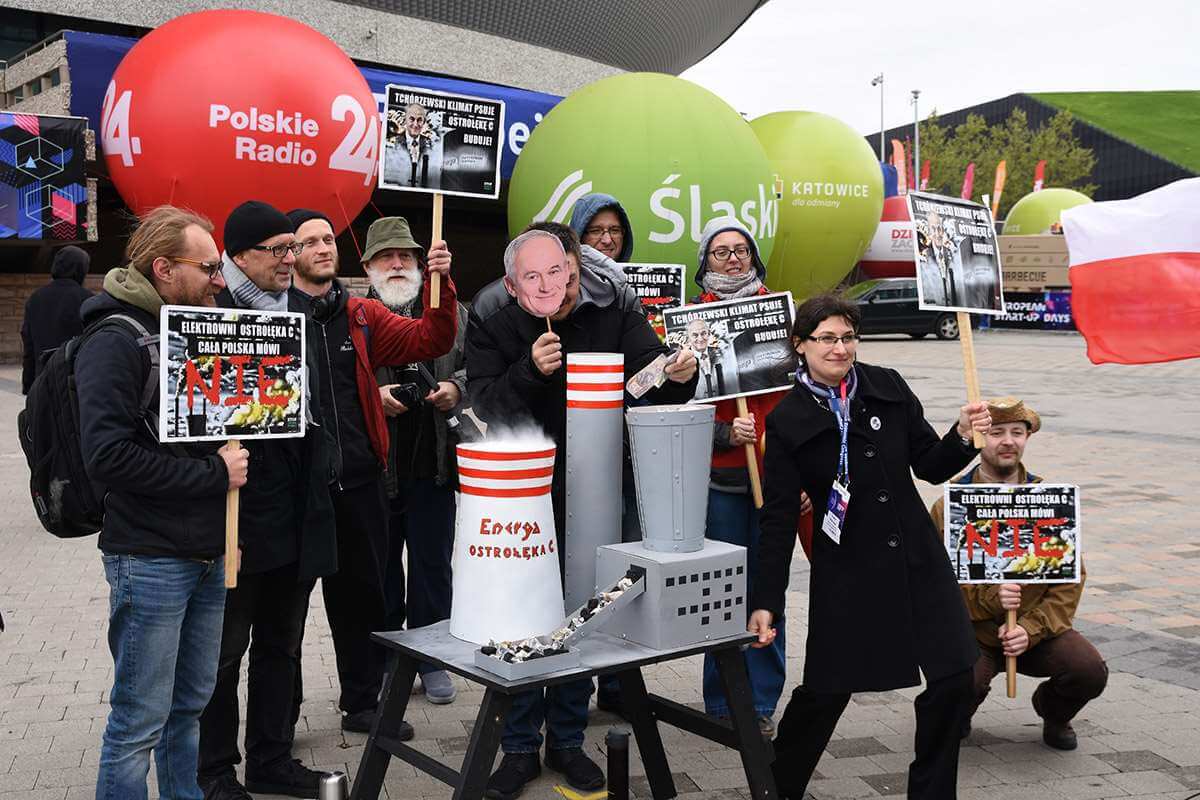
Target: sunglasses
(212, 268)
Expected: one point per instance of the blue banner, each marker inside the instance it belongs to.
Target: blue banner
(92, 58)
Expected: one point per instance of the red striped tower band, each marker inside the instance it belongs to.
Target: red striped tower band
(595, 380)
(488, 469)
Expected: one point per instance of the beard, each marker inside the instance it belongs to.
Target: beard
(305, 270)
(398, 290)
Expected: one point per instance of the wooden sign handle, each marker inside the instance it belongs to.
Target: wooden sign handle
(751, 459)
(435, 278)
(1010, 662)
(969, 369)
(231, 531)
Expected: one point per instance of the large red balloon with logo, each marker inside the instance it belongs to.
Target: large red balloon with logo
(218, 107)
(890, 254)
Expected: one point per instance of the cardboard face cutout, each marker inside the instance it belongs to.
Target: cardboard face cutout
(542, 275)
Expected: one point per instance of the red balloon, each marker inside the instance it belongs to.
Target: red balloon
(219, 107)
(890, 254)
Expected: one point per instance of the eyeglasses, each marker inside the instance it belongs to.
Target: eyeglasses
(598, 232)
(829, 340)
(213, 268)
(723, 253)
(280, 250)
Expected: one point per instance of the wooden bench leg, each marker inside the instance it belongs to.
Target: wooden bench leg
(636, 705)
(401, 672)
(755, 751)
(481, 749)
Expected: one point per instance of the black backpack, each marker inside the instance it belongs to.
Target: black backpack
(67, 502)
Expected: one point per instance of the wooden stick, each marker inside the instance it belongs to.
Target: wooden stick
(1010, 662)
(548, 328)
(751, 459)
(231, 531)
(435, 279)
(972, 373)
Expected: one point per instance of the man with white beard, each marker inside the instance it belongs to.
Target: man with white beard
(421, 475)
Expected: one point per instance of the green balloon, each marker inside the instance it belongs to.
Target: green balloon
(673, 153)
(832, 198)
(1037, 211)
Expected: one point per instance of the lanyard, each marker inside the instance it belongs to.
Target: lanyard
(842, 412)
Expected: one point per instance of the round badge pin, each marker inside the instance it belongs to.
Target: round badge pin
(876, 424)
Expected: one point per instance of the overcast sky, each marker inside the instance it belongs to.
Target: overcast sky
(821, 56)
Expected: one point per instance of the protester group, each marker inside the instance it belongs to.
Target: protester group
(370, 488)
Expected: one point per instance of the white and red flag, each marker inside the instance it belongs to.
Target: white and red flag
(1135, 275)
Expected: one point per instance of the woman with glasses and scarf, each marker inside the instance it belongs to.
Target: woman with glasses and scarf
(729, 268)
(884, 604)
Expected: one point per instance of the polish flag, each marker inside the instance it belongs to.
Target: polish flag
(1135, 269)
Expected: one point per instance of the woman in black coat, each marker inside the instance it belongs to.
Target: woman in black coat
(883, 600)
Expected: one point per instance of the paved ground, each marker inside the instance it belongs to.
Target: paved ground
(1127, 435)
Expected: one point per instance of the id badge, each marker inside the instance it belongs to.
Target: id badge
(835, 512)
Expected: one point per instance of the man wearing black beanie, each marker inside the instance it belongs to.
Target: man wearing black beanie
(285, 519)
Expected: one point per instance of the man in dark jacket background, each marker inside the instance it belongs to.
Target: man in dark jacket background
(354, 337)
(164, 516)
(421, 474)
(286, 527)
(515, 376)
(52, 312)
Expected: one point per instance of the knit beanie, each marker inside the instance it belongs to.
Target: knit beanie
(251, 223)
(299, 216)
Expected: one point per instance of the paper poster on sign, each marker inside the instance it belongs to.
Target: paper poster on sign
(439, 142)
(958, 260)
(659, 287)
(230, 374)
(1005, 533)
(742, 346)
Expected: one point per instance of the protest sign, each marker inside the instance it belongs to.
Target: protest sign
(743, 347)
(659, 287)
(1004, 533)
(230, 374)
(443, 143)
(958, 261)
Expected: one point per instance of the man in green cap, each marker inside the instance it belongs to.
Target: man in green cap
(421, 474)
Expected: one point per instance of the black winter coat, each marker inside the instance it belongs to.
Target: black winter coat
(51, 318)
(160, 501)
(885, 601)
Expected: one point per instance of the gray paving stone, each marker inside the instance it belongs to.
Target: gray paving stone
(1135, 761)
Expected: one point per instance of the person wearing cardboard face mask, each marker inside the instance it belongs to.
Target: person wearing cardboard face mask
(851, 435)
(516, 376)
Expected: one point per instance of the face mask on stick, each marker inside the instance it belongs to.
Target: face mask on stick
(541, 275)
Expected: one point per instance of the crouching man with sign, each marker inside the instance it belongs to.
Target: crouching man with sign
(1042, 641)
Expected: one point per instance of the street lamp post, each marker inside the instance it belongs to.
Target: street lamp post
(916, 140)
(878, 81)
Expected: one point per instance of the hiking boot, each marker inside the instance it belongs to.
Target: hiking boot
(1059, 735)
(439, 689)
(579, 770)
(288, 777)
(516, 770)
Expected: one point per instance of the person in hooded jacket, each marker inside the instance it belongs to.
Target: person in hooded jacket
(730, 268)
(285, 521)
(52, 312)
(163, 535)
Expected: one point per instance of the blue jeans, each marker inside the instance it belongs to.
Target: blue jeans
(164, 631)
(564, 710)
(733, 518)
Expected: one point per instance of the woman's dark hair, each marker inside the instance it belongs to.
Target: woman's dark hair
(568, 237)
(820, 307)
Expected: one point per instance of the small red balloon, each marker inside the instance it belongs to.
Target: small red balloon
(219, 107)
(890, 254)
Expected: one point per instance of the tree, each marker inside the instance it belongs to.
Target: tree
(1068, 163)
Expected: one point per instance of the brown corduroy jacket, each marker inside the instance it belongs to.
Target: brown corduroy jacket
(1046, 609)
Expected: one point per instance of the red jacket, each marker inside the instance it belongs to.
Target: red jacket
(394, 339)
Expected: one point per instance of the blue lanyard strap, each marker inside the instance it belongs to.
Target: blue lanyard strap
(841, 411)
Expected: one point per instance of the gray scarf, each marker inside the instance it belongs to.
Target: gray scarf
(728, 287)
(246, 294)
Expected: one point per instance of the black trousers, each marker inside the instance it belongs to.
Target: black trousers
(810, 718)
(421, 520)
(354, 595)
(265, 613)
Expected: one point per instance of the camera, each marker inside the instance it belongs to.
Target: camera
(408, 395)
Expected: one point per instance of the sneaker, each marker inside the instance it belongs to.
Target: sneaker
(361, 721)
(516, 770)
(439, 689)
(579, 770)
(766, 726)
(224, 787)
(288, 777)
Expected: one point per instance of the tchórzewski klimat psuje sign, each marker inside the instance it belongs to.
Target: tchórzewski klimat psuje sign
(957, 255)
(230, 374)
